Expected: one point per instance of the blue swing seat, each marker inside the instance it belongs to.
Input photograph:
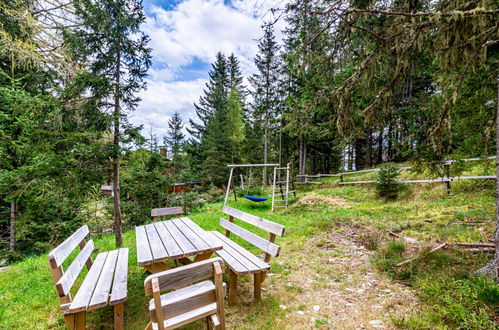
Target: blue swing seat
(255, 198)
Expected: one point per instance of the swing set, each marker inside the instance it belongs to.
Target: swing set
(277, 184)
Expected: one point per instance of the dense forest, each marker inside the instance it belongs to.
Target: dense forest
(353, 84)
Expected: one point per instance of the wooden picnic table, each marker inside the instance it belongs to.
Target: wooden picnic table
(175, 239)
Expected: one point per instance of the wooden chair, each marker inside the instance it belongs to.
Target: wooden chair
(240, 260)
(189, 299)
(105, 283)
(159, 214)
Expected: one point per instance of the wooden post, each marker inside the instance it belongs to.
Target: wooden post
(228, 186)
(232, 286)
(258, 286)
(157, 303)
(341, 177)
(446, 177)
(219, 294)
(13, 220)
(273, 189)
(287, 185)
(81, 319)
(227, 232)
(118, 317)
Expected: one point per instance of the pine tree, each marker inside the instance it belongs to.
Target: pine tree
(111, 42)
(265, 85)
(175, 140)
(235, 124)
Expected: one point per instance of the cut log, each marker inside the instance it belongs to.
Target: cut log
(476, 244)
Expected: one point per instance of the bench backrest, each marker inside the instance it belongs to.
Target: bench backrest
(181, 277)
(158, 214)
(266, 245)
(64, 280)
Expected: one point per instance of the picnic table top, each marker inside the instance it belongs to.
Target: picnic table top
(172, 239)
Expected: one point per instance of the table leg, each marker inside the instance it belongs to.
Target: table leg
(118, 317)
(204, 256)
(156, 268)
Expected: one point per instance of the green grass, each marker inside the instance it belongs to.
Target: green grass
(450, 296)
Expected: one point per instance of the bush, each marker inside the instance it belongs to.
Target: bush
(387, 185)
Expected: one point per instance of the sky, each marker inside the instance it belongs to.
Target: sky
(185, 37)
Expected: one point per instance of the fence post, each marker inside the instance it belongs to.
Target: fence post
(447, 177)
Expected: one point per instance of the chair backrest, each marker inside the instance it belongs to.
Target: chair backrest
(203, 294)
(64, 280)
(266, 245)
(157, 214)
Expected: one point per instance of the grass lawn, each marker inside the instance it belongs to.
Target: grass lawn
(336, 268)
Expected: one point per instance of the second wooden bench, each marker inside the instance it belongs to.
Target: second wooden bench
(239, 260)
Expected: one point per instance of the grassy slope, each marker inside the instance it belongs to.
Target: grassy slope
(27, 294)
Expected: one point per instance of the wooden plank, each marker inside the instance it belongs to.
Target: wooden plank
(67, 280)
(234, 259)
(264, 224)
(181, 276)
(171, 246)
(184, 300)
(61, 252)
(103, 288)
(252, 165)
(209, 239)
(254, 239)
(119, 317)
(84, 294)
(356, 182)
(192, 236)
(188, 317)
(157, 248)
(245, 257)
(166, 211)
(119, 291)
(187, 248)
(144, 255)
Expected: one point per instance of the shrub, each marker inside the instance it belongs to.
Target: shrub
(387, 185)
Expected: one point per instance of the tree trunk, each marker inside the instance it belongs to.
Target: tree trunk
(496, 232)
(116, 164)
(265, 146)
(13, 220)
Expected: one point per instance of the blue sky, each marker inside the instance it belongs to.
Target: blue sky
(185, 36)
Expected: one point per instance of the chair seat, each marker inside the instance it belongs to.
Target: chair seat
(240, 260)
(105, 283)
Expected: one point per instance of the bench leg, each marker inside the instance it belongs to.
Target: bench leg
(118, 317)
(209, 323)
(258, 285)
(232, 286)
(80, 319)
(70, 321)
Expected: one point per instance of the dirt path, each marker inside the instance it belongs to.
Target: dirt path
(331, 284)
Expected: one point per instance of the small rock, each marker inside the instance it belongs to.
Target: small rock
(300, 313)
(312, 320)
(316, 308)
(376, 323)
(282, 307)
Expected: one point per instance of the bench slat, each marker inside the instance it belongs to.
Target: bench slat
(254, 239)
(157, 248)
(188, 317)
(100, 296)
(61, 252)
(119, 292)
(86, 290)
(198, 243)
(187, 248)
(243, 255)
(169, 243)
(166, 211)
(264, 224)
(67, 280)
(234, 259)
(144, 256)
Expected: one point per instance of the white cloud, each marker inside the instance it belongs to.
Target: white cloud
(195, 30)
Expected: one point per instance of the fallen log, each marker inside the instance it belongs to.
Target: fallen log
(475, 244)
(475, 250)
(415, 258)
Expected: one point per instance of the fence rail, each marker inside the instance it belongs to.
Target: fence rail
(445, 179)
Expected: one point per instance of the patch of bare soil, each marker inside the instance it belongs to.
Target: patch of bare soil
(327, 282)
(312, 199)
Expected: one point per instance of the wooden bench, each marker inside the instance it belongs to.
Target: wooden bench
(191, 296)
(160, 214)
(105, 283)
(239, 260)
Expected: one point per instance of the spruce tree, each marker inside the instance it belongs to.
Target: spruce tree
(115, 50)
(265, 85)
(175, 140)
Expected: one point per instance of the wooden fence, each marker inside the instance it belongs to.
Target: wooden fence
(446, 179)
